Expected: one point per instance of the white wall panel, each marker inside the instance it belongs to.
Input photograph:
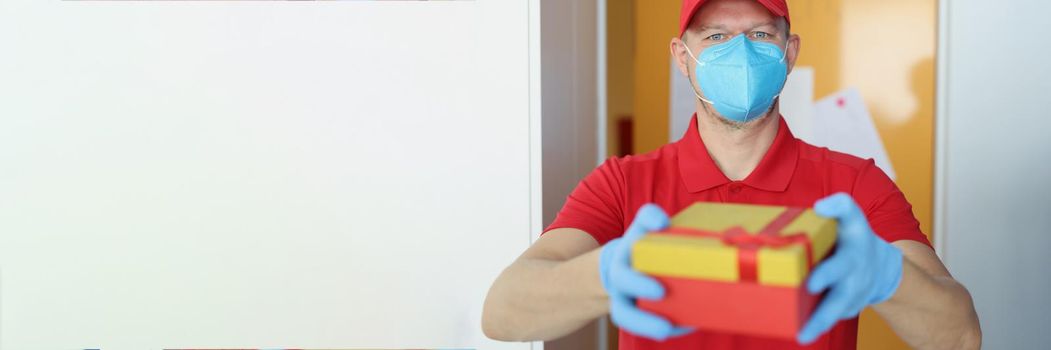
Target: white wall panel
(262, 174)
(994, 162)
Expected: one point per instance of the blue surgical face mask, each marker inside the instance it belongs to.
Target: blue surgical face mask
(741, 78)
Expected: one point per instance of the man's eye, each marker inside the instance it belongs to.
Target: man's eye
(761, 35)
(717, 37)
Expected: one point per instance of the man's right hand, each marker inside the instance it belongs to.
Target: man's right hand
(624, 284)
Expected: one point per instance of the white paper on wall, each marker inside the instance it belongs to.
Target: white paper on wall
(843, 123)
(682, 105)
(797, 102)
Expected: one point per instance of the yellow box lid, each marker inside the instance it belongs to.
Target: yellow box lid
(696, 244)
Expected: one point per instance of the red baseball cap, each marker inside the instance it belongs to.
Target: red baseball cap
(690, 7)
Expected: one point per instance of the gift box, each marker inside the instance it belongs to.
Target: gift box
(736, 268)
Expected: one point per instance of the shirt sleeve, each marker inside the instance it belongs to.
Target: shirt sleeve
(885, 206)
(596, 205)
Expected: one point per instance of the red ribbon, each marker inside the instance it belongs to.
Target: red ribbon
(748, 244)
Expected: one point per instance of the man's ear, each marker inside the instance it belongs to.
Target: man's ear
(678, 52)
(793, 51)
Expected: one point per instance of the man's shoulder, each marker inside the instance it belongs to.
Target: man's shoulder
(827, 158)
(861, 176)
(659, 158)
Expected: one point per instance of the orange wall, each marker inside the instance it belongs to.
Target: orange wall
(884, 48)
(655, 25)
(620, 67)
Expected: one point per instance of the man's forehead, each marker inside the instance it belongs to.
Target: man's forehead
(718, 11)
(723, 25)
(732, 14)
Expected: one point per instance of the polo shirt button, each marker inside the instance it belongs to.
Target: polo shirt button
(735, 188)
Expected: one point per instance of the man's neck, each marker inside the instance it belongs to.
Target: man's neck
(737, 150)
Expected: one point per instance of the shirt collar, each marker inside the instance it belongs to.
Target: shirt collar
(774, 172)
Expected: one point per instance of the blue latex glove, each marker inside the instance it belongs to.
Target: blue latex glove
(864, 270)
(624, 284)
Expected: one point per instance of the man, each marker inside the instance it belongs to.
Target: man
(737, 54)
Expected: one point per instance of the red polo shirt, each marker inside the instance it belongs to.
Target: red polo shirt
(791, 173)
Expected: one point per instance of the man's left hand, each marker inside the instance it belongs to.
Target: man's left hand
(864, 270)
